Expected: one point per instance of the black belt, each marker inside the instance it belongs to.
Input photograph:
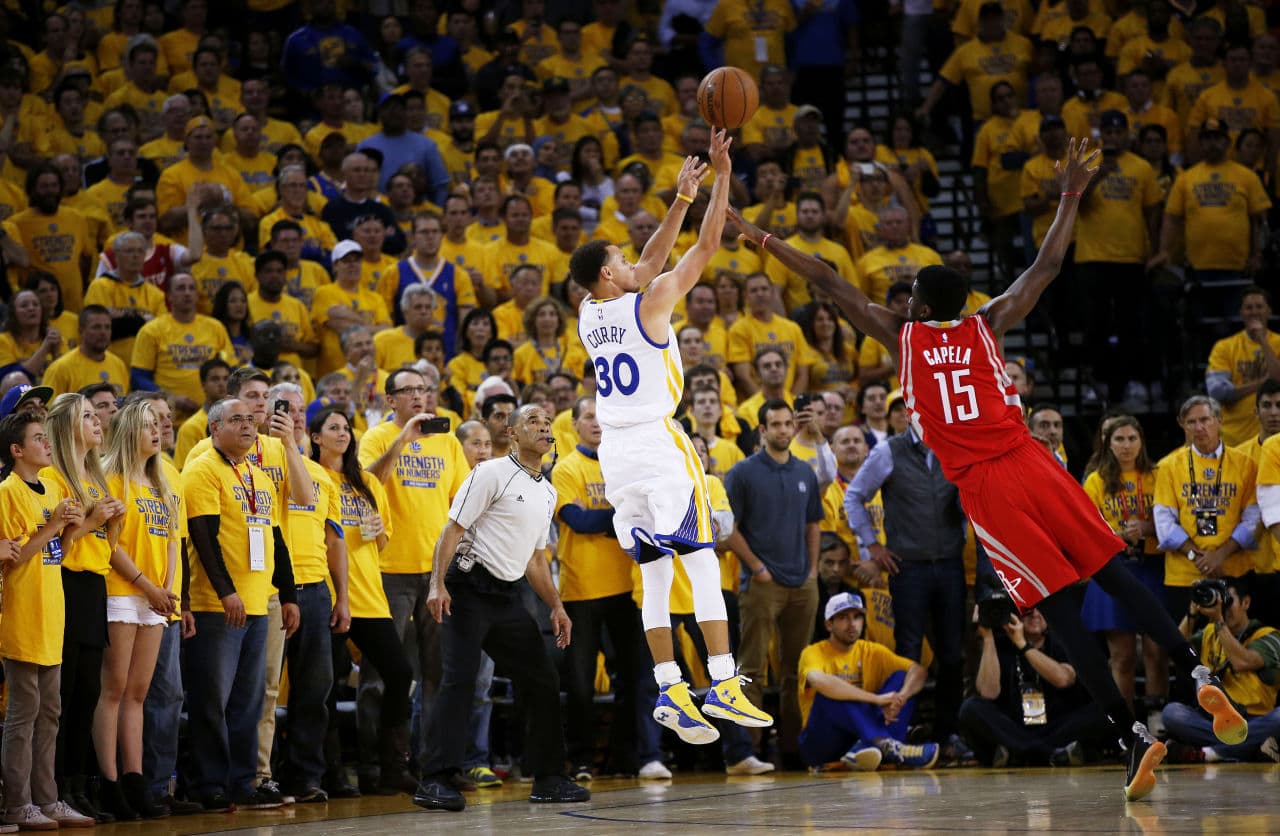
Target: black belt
(301, 586)
(481, 580)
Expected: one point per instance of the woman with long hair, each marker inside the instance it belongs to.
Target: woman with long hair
(837, 370)
(1121, 481)
(363, 503)
(75, 434)
(728, 298)
(27, 338)
(49, 292)
(466, 369)
(903, 152)
(549, 349)
(140, 599)
(587, 167)
(231, 308)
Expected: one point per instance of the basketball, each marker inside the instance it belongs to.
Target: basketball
(727, 97)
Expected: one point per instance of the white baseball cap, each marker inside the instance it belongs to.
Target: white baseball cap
(345, 248)
(839, 603)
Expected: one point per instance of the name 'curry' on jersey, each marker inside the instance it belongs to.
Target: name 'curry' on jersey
(961, 401)
(638, 380)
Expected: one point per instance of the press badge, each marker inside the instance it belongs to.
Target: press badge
(53, 552)
(257, 549)
(1033, 710)
(762, 49)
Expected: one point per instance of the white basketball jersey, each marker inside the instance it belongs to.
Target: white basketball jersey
(637, 380)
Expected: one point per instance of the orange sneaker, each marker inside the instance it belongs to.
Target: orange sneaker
(1228, 725)
(1145, 755)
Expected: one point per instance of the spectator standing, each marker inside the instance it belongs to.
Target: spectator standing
(923, 552)
(1240, 364)
(995, 55)
(170, 349)
(326, 51)
(1265, 583)
(997, 161)
(824, 47)
(775, 499)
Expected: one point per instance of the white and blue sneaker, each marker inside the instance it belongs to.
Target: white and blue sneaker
(862, 757)
(676, 711)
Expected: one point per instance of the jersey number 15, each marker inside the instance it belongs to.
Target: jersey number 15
(953, 389)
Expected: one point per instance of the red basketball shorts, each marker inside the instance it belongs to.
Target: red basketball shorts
(1039, 528)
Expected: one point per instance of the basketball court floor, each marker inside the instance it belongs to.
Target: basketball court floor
(1219, 799)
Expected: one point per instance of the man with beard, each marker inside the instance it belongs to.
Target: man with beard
(90, 362)
(55, 237)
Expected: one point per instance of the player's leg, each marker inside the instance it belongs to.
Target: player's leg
(725, 700)
(674, 709)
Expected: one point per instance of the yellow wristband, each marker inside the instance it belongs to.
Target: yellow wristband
(685, 198)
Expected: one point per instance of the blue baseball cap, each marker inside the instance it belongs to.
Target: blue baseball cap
(20, 394)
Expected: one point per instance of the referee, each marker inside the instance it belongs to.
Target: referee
(498, 523)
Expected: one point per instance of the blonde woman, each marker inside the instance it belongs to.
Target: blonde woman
(139, 602)
(75, 434)
(548, 350)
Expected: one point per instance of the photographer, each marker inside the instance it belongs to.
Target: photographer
(1245, 655)
(1029, 708)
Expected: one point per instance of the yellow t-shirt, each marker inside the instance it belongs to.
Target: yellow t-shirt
(142, 297)
(738, 263)
(772, 128)
(293, 316)
(591, 565)
(530, 363)
(381, 277)
(149, 106)
(178, 47)
(781, 222)
(174, 351)
(836, 520)
(882, 267)
(364, 577)
(827, 374)
(871, 355)
(315, 233)
(1018, 17)
(211, 487)
(424, 479)
(753, 32)
(749, 335)
(995, 138)
(1253, 107)
(501, 257)
(352, 132)
(749, 410)
(369, 305)
(254, 171)
(56, 244)
(211, 272)
(1266, 457)
(305, 527)
(163, 151)
(723, 455)
(1026, 128)
(1131, 55)
(1039, 178)
(1157, 114)
(795, 290)
(109, 197)
(177, 180)
(146, 535)
(13, 351)
(267, 455)
(1216, 202)
(275, 135)
(193, 430)
(392, 349)
(866, 665)
(34, 615)
(90, 552)
(980, 65)
(1240, 357)
(1129, 504)
(1111, 225)
(1237, 492)
(1184, 84)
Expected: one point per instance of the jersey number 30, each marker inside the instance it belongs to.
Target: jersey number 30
(965, 410)
(625, 375)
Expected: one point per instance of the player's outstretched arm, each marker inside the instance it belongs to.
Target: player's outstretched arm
(874, 320)
(653, 259)
(1012, 306)
(661, 297)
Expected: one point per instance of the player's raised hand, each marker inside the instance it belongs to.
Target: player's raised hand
(1081, 163)
(750, 232)
(720, 143)
(690, 177)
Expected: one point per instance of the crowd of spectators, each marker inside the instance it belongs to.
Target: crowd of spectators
(278, 274)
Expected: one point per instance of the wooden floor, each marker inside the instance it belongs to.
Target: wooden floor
(1226, 799)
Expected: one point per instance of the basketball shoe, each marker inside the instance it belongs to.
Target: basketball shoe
(1145, 754)
(862, 757)
(1228, 725)
(918, 756)
(725, 701)
(676, 711)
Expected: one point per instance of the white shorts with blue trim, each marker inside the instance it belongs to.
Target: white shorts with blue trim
(654, 481)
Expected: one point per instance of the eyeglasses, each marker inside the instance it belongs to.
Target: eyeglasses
(414, 390)
(240, 420)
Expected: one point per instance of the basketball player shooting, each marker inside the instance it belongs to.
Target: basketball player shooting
(1040, 529)
(652, 475)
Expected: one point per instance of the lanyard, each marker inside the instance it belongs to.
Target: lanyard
(552, 363)
(253, 497)
(1191, 473)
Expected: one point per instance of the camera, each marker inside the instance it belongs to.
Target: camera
(995, 608)
(1209, 591)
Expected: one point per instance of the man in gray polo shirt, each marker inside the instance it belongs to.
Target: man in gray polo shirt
(924, 530)
(776, 502)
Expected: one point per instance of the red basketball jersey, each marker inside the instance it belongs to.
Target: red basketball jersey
(960, 400)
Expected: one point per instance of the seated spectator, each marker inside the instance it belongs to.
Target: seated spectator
(1028, 709)
(857, 697)
(1246, 655)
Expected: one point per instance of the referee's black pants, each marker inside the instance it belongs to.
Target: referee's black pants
(487, 615)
